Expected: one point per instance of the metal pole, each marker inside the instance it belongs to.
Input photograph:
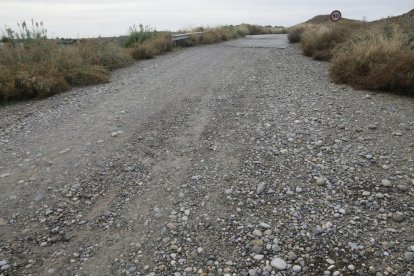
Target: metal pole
(334, 26)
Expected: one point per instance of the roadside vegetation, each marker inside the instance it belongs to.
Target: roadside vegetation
(376, 55)
(35, 66)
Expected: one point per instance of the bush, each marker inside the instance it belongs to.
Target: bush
(294, 34)
(379, 58)
(138, 35)
(104, 53)
(37, 67)
(319, 41)
(152, 47)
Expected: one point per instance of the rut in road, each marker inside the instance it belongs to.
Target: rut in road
(242, 160)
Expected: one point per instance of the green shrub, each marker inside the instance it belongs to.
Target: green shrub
(138, 35)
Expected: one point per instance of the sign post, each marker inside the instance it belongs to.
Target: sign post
(335, 17)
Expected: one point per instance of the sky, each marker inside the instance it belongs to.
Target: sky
(82, 18)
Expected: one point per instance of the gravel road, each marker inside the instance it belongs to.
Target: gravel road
(239, 158)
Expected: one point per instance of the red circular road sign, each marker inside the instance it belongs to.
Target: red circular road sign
(336, 16)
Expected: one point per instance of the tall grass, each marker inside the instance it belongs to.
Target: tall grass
(151, 47)
(379, 58)
(375, 56)
(33, 66)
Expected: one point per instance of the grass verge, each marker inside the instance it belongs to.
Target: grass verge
(375, 56)
(33, 66)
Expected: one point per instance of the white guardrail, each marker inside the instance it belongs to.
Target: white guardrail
(178, 37)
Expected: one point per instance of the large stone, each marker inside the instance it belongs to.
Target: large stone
(260, 188)
(279, 264)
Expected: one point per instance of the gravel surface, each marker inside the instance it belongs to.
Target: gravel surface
(212, 160)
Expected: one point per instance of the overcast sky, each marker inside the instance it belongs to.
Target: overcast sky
(82, 18)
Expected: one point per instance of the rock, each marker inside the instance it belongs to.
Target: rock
(265, 225)
(257, 233)
(3, 175)
(292, 256)
(299, 189)
(330, 261)
(398, 217)
(409, 256)
(279, 264)
(257, 249)
(386, 183)
(321, 181)
(3, 222)
(351, 267)
(3, 262)
(129, 169)
(5, 267)
(297, 268)
(258, 257)
(171, 226)
(260, 188)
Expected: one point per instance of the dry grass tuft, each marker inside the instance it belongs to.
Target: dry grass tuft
(152, 47)
(378, 58)
(318, 41)
(104, 53)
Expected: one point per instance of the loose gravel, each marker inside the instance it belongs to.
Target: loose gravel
(213, 160)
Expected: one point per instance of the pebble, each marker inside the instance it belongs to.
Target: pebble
(5, 267)
(398, 217)
(330, 261)
(4, 175)
(129, 169)
(409, 256)
(260, 188)
(297, 268)
(258, 257)
(386, 183)
(321, 181)
(265, 225)
(292, 256)
(279, 264)
(351, 267)
(4, 262)
(257, 233)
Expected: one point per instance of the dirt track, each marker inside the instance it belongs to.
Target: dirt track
(237, 158)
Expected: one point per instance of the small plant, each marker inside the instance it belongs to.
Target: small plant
(25, 34)
(138, 35)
